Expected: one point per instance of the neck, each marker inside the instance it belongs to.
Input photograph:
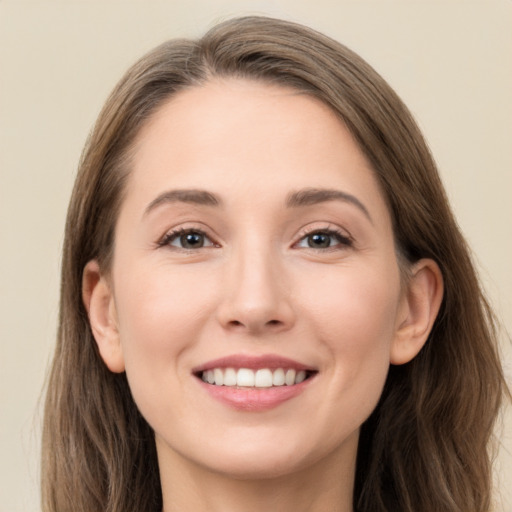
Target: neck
(325, 485)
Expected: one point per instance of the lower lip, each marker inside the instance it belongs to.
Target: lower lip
(254, 399)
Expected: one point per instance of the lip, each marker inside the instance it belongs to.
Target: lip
(271, 361)
(252, 399)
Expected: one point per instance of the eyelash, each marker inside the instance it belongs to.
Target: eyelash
(341, 238)
(176, 234)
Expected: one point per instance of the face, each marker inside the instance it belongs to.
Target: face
(253, 249)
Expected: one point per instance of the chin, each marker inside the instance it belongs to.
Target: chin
(269, 457)
(260, 467)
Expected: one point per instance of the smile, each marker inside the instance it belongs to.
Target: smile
(248, 378)
(254, 383)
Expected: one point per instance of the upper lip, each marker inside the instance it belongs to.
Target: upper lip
(254, 362)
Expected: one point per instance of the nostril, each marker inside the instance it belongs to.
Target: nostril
(270, 323)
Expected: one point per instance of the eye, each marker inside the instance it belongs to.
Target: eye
(324, 239)
(187, 239)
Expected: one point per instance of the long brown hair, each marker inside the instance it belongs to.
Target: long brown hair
(426, 446)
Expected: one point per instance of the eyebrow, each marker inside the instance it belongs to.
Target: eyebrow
(304, 197)
(192, 196)
(312, 196)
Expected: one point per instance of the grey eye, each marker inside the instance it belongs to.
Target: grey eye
(192, 240)
(319, 240)
(189, 240)
(324, 240)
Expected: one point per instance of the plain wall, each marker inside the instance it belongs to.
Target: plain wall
(451, 61)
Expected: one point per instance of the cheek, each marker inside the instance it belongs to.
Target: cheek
(160, 315)
(355, 320)
(358, 306)
(154, 302)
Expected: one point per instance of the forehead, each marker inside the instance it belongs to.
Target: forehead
(223, 112)
(238, 135)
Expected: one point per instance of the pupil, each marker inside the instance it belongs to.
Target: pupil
(319, 240)
(192, 240)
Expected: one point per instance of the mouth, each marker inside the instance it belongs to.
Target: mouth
(252, 383)
(254, 378)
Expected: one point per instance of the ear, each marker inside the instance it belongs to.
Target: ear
(99, 303)
(419, 308)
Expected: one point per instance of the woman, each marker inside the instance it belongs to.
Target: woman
(266, 302)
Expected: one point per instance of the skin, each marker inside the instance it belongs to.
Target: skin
(256, 287)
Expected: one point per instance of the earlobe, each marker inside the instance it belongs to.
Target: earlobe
(99, 302)
(420, 306)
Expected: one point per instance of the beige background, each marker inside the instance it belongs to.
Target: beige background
(451, 61)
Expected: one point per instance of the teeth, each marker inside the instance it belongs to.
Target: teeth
(229, 377)
(263, 379)
(301, 375)
(219, 377)
(278, 377)
(245, 377)
(290, 378)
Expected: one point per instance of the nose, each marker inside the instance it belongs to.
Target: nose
(256, 296)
